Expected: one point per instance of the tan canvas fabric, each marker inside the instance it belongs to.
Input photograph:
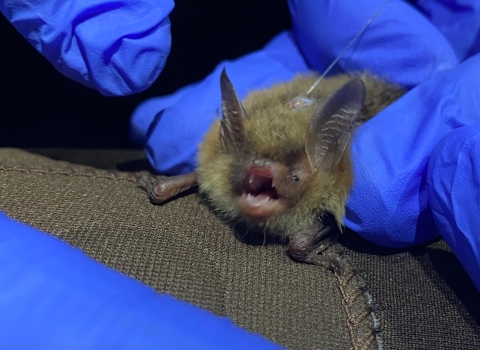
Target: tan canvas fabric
(183, 249)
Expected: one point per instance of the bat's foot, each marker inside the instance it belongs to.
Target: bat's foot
(307, 246)
(316, 258)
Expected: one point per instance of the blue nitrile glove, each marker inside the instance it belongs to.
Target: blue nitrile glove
(118, 48)
(458, 21)
(389, 203)
(52, 296)
(453, 182)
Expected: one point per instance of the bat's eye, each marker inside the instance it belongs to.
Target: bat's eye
(295, 178)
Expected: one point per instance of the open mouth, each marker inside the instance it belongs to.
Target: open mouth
(260, 197)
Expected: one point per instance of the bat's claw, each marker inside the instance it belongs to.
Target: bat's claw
(333, 262)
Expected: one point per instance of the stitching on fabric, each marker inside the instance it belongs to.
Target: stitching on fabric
(353, 289)
(110, 174)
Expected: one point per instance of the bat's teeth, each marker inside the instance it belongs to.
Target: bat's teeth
(255, 201)
(251, 180)
(261, 202)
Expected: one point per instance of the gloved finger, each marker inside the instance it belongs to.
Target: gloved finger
(144, 114)
(53, 296)
(458, 21)
(389, 201)
(118, 48)
(400, 44)
(176, 132)
(453, 179)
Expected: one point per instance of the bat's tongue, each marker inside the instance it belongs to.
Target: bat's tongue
(259, 198)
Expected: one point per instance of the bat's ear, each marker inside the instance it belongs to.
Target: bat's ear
(332, 126)
(232, 129)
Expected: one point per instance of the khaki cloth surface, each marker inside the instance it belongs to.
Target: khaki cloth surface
(387, 299)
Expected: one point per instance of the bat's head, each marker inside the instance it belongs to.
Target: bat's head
(278, 168)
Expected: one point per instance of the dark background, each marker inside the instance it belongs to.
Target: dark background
(42, 108)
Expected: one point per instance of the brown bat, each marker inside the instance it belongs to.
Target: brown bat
(280, 170)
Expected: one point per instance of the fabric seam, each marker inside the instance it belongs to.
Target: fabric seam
(352, 288)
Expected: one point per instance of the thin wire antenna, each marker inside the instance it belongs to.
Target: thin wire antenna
(348, 46)
(304, 100)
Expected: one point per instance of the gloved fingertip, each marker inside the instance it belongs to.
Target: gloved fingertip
(144, 114)
(453, 181)
(142, 117)
(173, 137)
(118, 48)
(134, 62)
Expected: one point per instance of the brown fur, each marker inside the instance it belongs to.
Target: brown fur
(278, 133)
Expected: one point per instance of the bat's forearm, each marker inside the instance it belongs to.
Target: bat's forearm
(165, 188)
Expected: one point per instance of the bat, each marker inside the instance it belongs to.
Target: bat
(284, 170)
